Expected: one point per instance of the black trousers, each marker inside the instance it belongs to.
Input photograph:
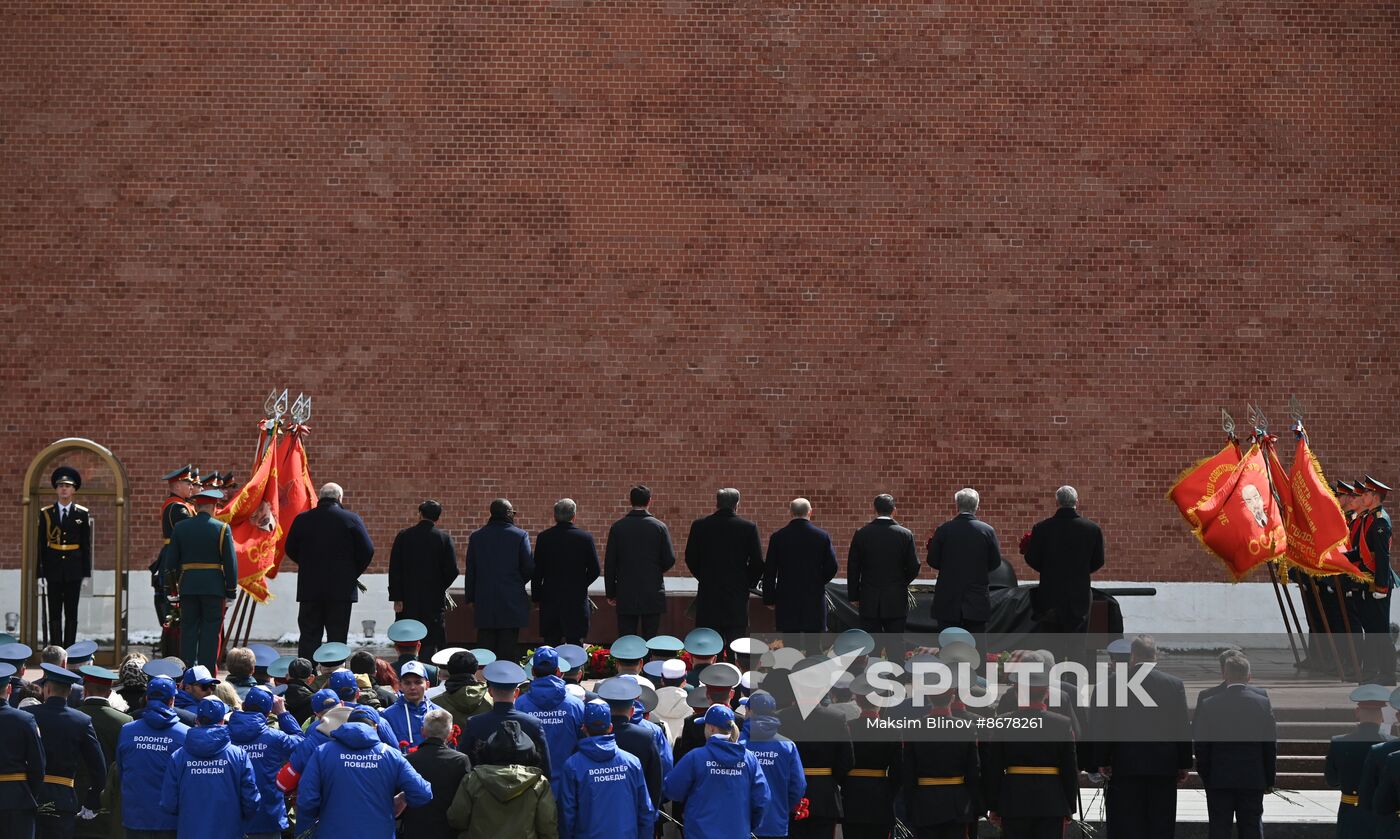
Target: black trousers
(951, 830)
(1141, 807)
(1227, 808)
(505, 643)
(851, 830)
(55, 825)
(643, 625)
(63, 611)
(315, 617)
(553, 631)
(812, 828)
(20, 823)
(975, 627)
(890, 626)
(1042, 828)
(1378, 663)
(730, 633)
(433, 619)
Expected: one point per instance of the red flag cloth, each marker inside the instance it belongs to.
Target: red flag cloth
(1317, 527)
(252, 515)
(295, 492)
(1241, 524)
(1198, 484)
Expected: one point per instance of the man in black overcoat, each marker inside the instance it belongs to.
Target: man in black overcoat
(1236, 744)
(1066, 549)
(331, 549)
(725, 555)
(638, 554)
(963, 551)
(422, 567)
(801, 561)
(881, 564)
(566, 564)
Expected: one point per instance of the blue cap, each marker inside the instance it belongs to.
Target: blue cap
(956, 633)
(332, 653)
(504, 674)
(211, 710)
(97, 675)
(853, 641)
(484, 656)
(162, 667)
(1370, 693)
(323, 700)
(572, 655)
(653, 668)
(279, 690)
(364, 715)
(1120, 649)
(618, 690)
(719, 716)
(161, 689)
(665, 644)
(7, 638)
(545, 658)
(704, 641)
(199, 675)
(407, 631)
(59, 675)
(629, 647)
(263, 655)
(7, 670)
(597, 716)
(15, 653)
(258, 699)
(278, 668)
(343, 682)
(81, 653)
(761, 702)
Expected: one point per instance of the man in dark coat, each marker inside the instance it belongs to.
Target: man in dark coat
(566, 564)
(801, 561)
(1236, 740)
(1142, 777)
(963, 551)
(1346, 759)
(725, 555)
(331, 549)
(499, 563)
(1065, 548)
(21, 754)
(638, 554)
(422, 566)
(880, 565)
(443, 767)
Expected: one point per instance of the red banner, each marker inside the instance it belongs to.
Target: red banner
(1241, 523)
(1317, 528)
(1198, 484)
(252, 515)
(295, 492)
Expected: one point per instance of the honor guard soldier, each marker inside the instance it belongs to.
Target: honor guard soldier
(1346, 757)
(107, 722)
(68, 736)
(203, 560)
(1373, 548)
(874, 777)
(21, 763)
(942, 777)
(1032, 782)
(65, 555)
(823, 744)
(176, 509)
(408, 636)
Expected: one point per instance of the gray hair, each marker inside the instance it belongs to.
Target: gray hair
(727, 498)
(437, 723)
(1067, 496)
(800, 508)
(1144, 648)
(1235, 669)
(332, 491)
(564, 510)
(967, 500)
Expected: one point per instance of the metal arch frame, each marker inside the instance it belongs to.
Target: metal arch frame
(29, 546)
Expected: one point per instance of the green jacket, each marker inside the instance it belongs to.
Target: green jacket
(107, 722)
(464, 703)
(496, 801)
(202, 557)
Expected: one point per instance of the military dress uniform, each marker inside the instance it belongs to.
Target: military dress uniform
(202, 560)
(68, 738)
(1032, 783)
(1346, 757)
(21, 767)
(873, 780)
(942, 784)
(172, 512)
(1372, 546)
(107, 722)
(65, 558)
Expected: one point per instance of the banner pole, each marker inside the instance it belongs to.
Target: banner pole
(1346, 624)
(1264, 441)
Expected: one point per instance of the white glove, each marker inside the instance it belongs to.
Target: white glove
(1380, 595)
(86, 815)
(173, 598)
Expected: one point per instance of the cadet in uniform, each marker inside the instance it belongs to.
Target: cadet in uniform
(639, 742)
(873, 779)
(21, 763)
(825, 748)
(176, 509)
(329, 657)
(65, 555)
(68, 736)
(408, 636)
(942, 777)
(107, 722)
(1373, 549)
(203, 561)
(16, 655)
(1032, 783)
(1346, 757)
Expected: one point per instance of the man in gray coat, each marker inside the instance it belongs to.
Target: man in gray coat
(638, 554)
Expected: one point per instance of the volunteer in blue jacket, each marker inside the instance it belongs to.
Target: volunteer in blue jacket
(558, 713)
(143, 756)
(782, 767)
(322, 702)
(210, 787)
(344, 683)
(601, 791)
(351, 783)
(405, 716)
(268, 749)
(722, 785)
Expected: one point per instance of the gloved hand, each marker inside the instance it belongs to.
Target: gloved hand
(173, 598)
(1380, 595)
(86, 815)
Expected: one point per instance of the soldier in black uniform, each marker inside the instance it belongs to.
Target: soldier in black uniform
(874, 776)
(1031, 775)
(21, 763)
(1372, 547)
(422, 567)
(65, 555)
(1346, 757)
(176, 509)
(16, 655)
(68, 736)
(942, 777)
(823, 743)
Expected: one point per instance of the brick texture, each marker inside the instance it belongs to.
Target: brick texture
(828, 249)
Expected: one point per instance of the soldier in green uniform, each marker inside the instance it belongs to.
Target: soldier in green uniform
(176, 509)
(1346, 757)
(107, 722)
(65, 555)
(201, 559)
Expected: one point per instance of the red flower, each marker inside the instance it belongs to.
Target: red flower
(1025, 540)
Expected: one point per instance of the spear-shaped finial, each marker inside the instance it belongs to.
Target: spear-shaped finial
(1227, 423)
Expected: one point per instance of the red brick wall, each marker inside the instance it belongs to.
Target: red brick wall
(544, 249)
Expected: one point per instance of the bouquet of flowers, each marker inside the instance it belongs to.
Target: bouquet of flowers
(600, 664)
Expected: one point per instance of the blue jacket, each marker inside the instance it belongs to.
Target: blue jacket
(782, 768)
(267, 749)
(350, 784)
(499, 564)
(602, 793)
(144, 748)
(386, 733)
(314, 739)
(559, 715)
(406, 720)
(210, 787)
(716, 782)
(331, 549)
(658, 733)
